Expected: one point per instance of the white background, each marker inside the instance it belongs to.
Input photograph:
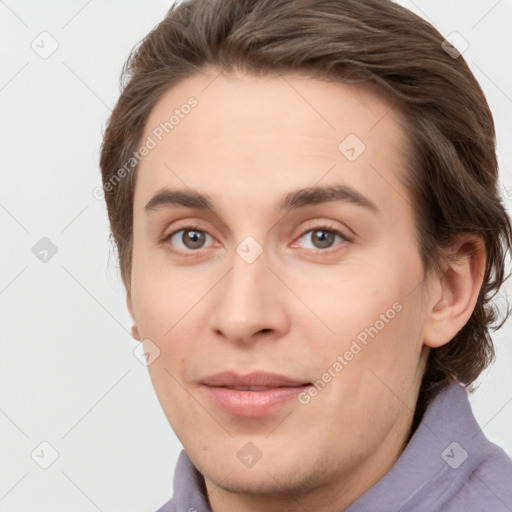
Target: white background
(67, 372)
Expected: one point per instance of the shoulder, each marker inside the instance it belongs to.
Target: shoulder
(168, 507)
(488, 486)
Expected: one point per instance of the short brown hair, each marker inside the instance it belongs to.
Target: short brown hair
(453, 171)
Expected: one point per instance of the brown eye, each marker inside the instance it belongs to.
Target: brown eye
(193, 239)
(322, 238)
(188, 239)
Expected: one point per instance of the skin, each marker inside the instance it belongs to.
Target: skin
(298, 306)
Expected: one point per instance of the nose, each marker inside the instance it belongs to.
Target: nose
(250, 303)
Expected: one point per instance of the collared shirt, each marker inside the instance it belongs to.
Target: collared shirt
(448, 465)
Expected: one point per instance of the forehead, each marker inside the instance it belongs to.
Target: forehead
(253, 136)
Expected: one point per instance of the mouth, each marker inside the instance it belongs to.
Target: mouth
(250, 388)
(251, 395)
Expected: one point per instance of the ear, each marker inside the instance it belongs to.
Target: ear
(135, 331)
(453, 294)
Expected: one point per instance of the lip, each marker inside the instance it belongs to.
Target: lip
(251, 395)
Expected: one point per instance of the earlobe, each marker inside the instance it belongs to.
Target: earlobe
(457, 291)
(135, 331)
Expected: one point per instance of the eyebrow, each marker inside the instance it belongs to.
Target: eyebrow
(291, 201)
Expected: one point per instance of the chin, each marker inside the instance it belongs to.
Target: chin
(267, 480)
(281, 469)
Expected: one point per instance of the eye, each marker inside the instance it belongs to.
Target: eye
(191, 238)
(188, 239)
(322, 237)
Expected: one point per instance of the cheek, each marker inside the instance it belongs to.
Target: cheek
(176, 403)
(168, 301)
(163, 297)
(375, 326)
(351, 302)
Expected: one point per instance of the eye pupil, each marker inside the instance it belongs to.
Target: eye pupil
(193, 239)
(325, 239)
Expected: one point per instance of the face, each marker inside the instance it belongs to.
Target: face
(283, 284)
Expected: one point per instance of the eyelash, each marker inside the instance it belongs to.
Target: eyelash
(325, 227)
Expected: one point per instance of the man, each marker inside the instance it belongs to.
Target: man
(303, 195)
